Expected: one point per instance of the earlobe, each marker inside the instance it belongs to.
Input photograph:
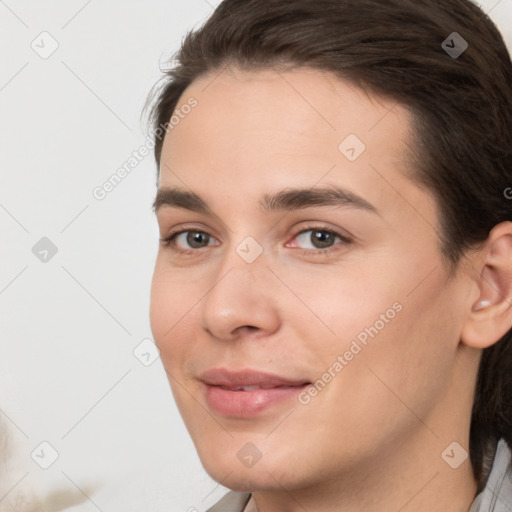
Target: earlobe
(490, 316)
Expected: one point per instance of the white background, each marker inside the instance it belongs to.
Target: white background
(68, 375)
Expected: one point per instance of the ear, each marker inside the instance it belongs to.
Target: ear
(489, 317)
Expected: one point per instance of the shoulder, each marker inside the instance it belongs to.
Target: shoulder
(497, 494)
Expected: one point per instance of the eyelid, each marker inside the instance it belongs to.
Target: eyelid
(337, 232)
(347, 239)
(170, 238)
(318, 226)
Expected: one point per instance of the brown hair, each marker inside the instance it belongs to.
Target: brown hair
(462, 106)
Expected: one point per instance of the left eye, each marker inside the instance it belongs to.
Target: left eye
(318, 238)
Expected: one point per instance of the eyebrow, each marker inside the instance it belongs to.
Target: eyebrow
(287, 199)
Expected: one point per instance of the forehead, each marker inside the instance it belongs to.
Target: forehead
(254, 131)
(303, 112)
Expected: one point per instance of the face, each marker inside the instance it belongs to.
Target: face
(302, 306)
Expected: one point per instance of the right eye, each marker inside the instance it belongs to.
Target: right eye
(187, 240)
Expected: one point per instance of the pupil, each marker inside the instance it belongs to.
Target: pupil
(194, 239)
(321, 239)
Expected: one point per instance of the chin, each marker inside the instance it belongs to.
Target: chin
(246, 481)
(266, 474)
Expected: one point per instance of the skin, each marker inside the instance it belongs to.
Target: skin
(372, 439)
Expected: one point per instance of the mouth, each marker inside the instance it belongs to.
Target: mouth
(247, 393)
(234, 380)
(261, 386)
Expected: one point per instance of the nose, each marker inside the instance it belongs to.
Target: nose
(242, 299)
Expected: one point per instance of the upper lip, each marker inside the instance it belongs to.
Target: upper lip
(233, 379)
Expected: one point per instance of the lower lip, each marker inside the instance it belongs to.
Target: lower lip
(246, 404)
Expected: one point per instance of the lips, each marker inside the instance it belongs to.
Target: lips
(247, 379)
(245, 394)
(252, 388)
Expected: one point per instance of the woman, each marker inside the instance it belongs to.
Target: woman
(332, 296)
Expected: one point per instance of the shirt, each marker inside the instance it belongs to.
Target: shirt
(495, 497)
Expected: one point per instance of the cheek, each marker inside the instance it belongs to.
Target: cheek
(340, 304)
(406, 361)
(171, 305)
(161, 301)
(171, 313)
(384, 317)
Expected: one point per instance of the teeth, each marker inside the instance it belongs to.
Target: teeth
(241, 388)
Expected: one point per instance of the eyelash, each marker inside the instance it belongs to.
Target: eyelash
(170, 240)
